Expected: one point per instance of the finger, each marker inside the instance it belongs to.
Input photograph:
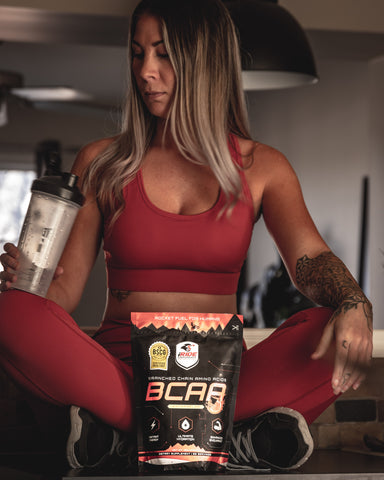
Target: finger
(9, 261)
(4, 286)
(3, 259)
(10, 257)
(349, 376)
(359, 381)
(58, 272)
(324, 343)
(6, 276)
(355, 366)
(11, 249)
(7, 280)
(366, 362)
(340, 374)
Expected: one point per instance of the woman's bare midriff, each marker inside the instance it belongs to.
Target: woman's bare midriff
(121, 303)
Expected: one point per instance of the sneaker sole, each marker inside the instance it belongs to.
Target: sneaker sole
(74, 436)
(304, 430)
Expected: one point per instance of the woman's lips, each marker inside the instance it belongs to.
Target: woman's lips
(153, 95)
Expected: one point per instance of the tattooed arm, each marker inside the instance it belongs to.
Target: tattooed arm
(313, 268)
(327, 281)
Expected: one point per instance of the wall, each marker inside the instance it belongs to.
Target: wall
(328, 132)
(376, 148)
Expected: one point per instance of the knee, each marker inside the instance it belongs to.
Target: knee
(17, 313)
(318, 315)
(321, 315)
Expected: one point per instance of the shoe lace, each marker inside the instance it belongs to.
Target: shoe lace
(244, 456)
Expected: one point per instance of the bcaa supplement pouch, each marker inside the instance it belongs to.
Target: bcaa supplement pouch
(186, 371)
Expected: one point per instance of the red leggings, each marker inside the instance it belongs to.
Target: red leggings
(44, 350)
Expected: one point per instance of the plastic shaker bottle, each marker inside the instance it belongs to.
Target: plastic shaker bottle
(53, 207)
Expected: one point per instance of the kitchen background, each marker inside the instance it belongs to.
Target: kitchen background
(332, 132)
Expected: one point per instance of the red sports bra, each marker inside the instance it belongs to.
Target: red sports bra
(151, 250)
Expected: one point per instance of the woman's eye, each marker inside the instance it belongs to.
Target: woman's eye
(137, 55)
(163, 55)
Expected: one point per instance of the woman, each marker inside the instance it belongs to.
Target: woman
(174, 197)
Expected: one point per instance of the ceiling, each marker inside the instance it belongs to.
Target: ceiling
(87, 51)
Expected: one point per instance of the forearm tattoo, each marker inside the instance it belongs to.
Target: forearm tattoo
(120, 295)
(326, 280)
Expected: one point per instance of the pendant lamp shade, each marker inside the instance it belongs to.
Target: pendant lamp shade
(275, 52)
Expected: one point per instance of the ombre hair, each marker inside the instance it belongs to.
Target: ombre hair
(207, 107)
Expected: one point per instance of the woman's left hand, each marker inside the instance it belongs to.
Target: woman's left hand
(350, 327)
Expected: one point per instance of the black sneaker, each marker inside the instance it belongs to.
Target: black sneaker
(278, 439)
(90, 442)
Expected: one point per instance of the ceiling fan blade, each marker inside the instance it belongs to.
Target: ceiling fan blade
(51, 94)
(55, 98)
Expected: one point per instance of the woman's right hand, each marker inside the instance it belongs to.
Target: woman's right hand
(10, 263)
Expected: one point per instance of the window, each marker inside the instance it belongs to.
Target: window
(15, 191)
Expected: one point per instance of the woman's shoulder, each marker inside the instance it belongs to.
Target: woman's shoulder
(256, 152)
(90, 151)
(260, 158)
(264, 168)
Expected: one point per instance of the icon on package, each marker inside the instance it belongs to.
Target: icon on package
(154, 424)
(217, 425)
(185, 424)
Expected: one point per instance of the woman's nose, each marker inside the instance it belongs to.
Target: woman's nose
(149, 68)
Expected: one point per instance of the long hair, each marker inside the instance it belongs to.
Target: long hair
(208, 103)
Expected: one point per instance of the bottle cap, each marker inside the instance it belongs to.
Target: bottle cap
(62, 186)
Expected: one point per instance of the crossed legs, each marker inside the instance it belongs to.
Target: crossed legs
(44, 350)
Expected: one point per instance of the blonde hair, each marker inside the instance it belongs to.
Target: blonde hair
(208, 104)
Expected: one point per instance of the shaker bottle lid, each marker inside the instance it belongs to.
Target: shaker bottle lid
(63, 186)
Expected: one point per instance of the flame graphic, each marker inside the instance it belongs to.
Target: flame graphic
(178, 447)
(197, 322)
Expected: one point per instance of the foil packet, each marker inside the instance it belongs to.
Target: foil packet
(186, 371)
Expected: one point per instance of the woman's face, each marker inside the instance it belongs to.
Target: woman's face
(151, 66)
